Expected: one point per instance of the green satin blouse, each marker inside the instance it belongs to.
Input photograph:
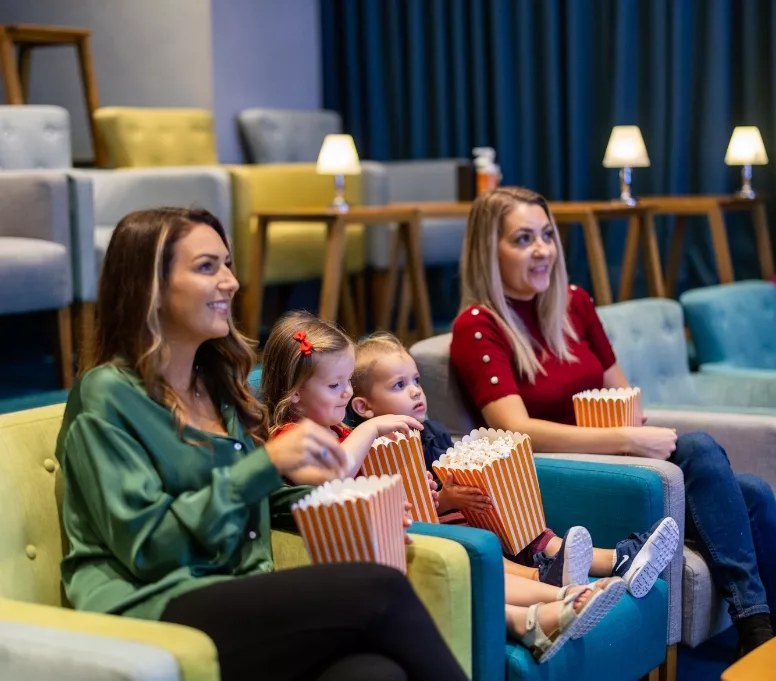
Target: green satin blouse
(149, 515)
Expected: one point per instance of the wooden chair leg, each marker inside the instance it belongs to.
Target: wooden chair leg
(405, 308)
(348, 309)
(63, 354)
(86, 62)
(667, 670)
(382, 298)
(629, 260)
(25, 58)
(13, 88)
(84, 322)
(358, 281)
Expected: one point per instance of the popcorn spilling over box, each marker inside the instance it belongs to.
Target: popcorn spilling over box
(354, 521)
(404, 456)
(608, 408)
(501, 464)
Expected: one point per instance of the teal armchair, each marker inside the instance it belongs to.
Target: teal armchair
(734, 329)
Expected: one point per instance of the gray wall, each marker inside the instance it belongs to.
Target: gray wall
(266, 53)
(146, 53)
(224, 55)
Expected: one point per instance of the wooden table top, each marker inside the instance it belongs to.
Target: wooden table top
(44, 35)
(758, 665)
(354, 214)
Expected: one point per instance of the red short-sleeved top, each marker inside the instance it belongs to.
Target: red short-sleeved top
(340, 431)
(486, 366)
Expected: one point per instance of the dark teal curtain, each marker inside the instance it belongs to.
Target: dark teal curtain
(544, 81)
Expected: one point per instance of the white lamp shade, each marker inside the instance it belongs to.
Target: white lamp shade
(626, 148)
(338, 156)
(746, 147)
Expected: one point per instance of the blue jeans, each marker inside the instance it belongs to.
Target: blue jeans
(732, 517)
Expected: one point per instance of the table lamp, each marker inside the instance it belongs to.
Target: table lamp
(746, 149)
(625, 151)
(338, 157)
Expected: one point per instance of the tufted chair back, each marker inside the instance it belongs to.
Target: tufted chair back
(34, 137)
(649, 341)
(140, 137)
(31, 538)
(733, 323)
(285, 136)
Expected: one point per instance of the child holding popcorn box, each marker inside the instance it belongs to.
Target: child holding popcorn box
(308, 366)
(387, 381)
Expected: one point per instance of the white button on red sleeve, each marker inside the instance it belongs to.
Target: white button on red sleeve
(486, 358)
(494, 380)
(477, 335)
(475, 311)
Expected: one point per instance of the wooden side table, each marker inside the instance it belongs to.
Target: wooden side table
(713, 208)
(17, 77)
(408, 222)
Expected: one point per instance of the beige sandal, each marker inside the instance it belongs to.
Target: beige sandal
(542, 646)
(605, 595)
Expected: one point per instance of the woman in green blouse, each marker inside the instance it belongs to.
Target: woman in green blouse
(171, 490)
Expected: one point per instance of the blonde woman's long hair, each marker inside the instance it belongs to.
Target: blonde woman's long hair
(481, 281)
(285, 368)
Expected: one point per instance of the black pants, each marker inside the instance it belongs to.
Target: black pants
(347, 622)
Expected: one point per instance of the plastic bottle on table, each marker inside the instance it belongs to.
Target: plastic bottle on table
(488, 174)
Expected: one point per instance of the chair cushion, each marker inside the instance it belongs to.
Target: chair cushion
(704, 611)
(628, 643)
(733, 323)
(142, 137)
(34, 275)
(649, 341)
(102, 237)
(36, 653)
(34, 137)
(286, 136)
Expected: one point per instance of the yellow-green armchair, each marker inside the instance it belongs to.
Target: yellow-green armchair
(39, 632)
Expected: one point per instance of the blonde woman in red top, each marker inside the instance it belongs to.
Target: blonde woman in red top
(525, 342)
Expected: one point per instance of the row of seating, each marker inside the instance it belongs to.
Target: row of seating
(61, 218)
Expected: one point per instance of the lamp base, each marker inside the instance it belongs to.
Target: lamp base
(625, 191)
(746, 191)
(339, 202)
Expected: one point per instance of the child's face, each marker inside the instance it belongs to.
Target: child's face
(395, 388)
(325, 395)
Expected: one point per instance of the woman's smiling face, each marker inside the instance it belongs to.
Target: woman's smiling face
(527, 251)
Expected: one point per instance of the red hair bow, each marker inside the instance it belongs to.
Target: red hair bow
(305, 346)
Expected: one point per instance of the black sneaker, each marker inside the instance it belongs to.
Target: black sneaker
(571, 565)
(642, 557)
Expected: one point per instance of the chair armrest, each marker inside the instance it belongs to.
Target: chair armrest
(722, 384)
(34, 205)
(118, 192)
(629, 495)
(488, 625)
(748, 439)
(194, 652)
(39, 653)
(439, 572)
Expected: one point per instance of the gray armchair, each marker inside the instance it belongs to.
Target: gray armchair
(35, 272)
(39, 137)
(696, 610)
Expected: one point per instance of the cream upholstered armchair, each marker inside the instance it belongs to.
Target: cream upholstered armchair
(141, 137)
(41, 637)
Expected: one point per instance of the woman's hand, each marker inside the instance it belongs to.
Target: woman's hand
(307, 454)
(461, 497)
(386, 426)
(650, 442)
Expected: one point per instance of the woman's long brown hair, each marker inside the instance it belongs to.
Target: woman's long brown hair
(134, 276)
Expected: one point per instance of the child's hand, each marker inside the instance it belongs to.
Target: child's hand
(433, 487)
(407, 522)
(643, 420)
(453, 496)
(307, 454)
(386, 426)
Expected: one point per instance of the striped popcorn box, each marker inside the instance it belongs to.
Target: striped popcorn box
(608, 408)
(354, 521)
(501, 464)
(404, 457)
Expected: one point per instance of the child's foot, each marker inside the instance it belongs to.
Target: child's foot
(597, 600)
(571, 565)
(642, 557)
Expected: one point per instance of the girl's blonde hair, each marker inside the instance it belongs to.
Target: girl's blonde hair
(481, 281)
(135, 275)
(286, 368)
